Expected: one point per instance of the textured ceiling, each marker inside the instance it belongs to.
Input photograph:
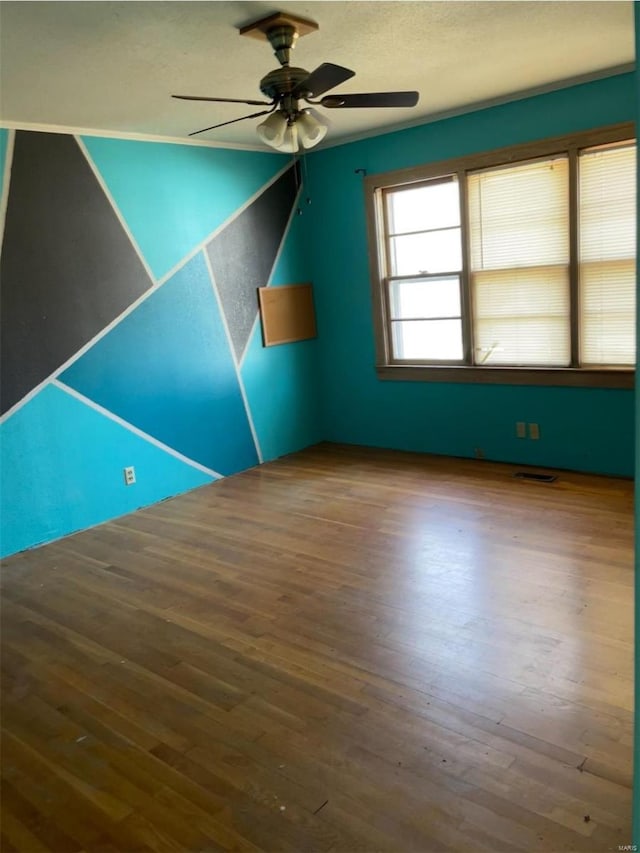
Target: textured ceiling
(112, 66)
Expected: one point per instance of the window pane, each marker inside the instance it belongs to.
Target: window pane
(607, 204)
(521, 316)
(519, 216)
(435, 205)
(608, 313)
(424, 340)
(431, 252)
(432, 297)
(532, 341)
(607, 247)
(519, 247)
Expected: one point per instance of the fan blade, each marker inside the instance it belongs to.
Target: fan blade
(325, 77)
(222, 100)
(372, 99)
(233, 120)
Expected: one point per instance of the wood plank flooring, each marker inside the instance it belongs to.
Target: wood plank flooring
(344, 650)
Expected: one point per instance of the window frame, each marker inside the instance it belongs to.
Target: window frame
(386, 283)
(395, 369)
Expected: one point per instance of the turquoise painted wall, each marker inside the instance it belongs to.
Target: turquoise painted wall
(161, 390)
(173, 196)
(583, 429)
(286, 411)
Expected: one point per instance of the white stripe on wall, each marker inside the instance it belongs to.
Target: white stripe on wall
(79, 353)
(134, 429)
(294, 210)
(247, 408)
(203, 243)
(116, 209)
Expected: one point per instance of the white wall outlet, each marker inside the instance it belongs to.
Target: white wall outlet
(521, 429)
(130, 476)
(534, 431)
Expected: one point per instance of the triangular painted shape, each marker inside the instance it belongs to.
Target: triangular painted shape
(68, 268)
(292, 265)
(281, 382)
(167, 369)
(173, 196)
(281, 387)
(62, 470)
(242, 255)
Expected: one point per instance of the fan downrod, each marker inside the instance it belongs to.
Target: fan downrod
(283, 39)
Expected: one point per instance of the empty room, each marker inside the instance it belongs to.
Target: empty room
(317, 433)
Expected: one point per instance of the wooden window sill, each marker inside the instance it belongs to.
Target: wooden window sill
(562, 376)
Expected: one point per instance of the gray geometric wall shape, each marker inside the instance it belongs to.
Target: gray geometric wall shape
(242, 255)
(67, 269)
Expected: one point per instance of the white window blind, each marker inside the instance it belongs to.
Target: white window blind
(607, 248)
(519, 254)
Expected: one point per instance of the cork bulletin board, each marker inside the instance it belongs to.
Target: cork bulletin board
(287, 314)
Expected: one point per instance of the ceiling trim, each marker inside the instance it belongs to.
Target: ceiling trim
(136, 137)
(476, 106)
(345, 140)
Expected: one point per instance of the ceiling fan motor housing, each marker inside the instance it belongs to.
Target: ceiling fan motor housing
(282, 81)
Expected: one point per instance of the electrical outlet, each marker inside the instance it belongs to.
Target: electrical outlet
(521, 429)
(130, 476)
(479, 452)
(534, 431)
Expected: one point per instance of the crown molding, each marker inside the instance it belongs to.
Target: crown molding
(477, 106)
(134, 137)
(463, 109)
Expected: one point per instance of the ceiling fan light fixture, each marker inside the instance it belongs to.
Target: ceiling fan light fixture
(289, 144)
(310, 130)
(273, 129)
(287, 127)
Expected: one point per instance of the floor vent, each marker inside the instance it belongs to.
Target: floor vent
(537, 478)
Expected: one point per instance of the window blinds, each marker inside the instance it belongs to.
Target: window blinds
(607, 243)
(519, 263)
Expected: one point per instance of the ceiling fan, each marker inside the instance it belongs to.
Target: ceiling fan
(288, 125)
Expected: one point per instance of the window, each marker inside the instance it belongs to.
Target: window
(512, 266)
(607, 251)
(425, 254)
(519, 270)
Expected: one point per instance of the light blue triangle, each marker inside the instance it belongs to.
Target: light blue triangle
(292, 266)
(62, 470)
(173, 196)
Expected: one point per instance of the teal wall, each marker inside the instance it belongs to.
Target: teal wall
(582, 429)
(160, 388)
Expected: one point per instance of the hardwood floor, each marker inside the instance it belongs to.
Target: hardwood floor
(344, 650)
